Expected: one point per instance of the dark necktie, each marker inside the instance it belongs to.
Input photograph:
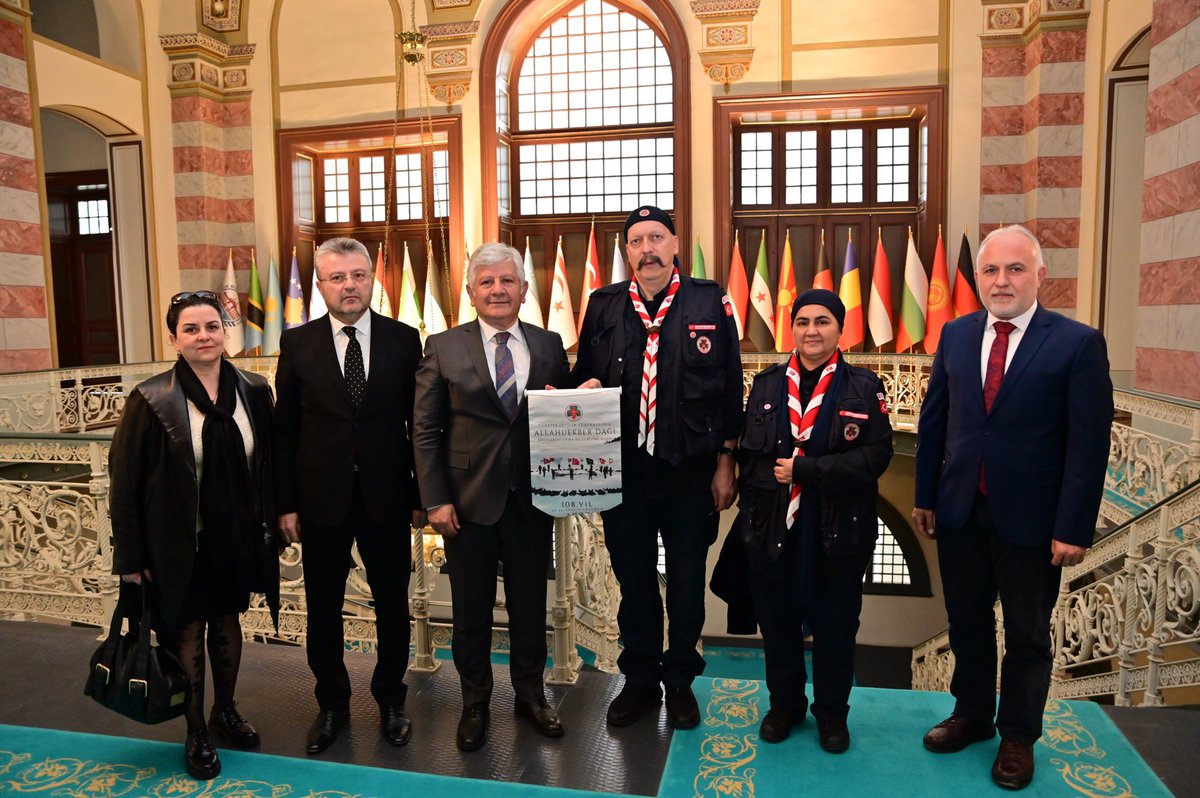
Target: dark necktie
(356, 375)
(506, 375)
(994, 376)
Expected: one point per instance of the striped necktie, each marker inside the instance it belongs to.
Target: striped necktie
(506, 375)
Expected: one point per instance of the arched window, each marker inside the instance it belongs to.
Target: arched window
(898, 566)
(580, 104)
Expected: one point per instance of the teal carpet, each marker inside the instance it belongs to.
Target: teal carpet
(1081, 752)
(56, 763)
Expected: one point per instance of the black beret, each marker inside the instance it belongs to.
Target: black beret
(824, 298)
(647, 213)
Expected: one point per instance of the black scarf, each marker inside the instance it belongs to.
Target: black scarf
(226, 503)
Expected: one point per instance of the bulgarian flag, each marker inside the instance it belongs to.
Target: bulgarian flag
(913, 301)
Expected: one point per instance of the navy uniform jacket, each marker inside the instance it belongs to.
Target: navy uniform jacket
(1045, 443)
(699, 365)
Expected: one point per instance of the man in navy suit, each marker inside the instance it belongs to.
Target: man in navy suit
(1011, 455)
(471, 441)
(343, 475)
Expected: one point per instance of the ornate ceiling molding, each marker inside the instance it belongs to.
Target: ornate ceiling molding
(222, 15)
(1006, 23)
(726, 53)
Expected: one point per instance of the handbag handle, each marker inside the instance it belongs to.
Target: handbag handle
(143, 644)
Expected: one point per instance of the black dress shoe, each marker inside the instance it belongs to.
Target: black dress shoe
(472, 727)
(682, 710)
(542, 716)
(632, 699)
(834, 735)
(1013, 768)
(394, 724)
(201, 756)
(957, 732)
(232, 727)
(325, 728)
(777, 724)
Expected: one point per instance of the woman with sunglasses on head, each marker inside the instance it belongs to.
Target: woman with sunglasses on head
(193, 516)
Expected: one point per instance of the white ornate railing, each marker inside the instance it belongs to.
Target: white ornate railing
(1126, 622)
(54, 536)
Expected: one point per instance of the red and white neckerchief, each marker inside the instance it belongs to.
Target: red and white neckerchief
(647, 409)
(803, 418)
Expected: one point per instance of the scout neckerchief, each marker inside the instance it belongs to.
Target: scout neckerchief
(803, 418)
(646, 410)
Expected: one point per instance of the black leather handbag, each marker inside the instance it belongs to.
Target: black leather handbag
(130, 676)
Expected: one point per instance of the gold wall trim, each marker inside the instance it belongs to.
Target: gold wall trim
(390, 80)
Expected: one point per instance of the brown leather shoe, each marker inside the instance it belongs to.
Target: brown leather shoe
(1013, 768)
(957, 732)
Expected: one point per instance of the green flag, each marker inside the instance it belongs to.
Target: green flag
(698, 269)
(254, 309)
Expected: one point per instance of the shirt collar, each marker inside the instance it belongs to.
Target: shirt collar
(1020, 322)
(488, 331)
(363, 325)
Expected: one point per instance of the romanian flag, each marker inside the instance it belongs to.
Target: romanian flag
(591, 275)
(966, 297)
(879, 310)
(760, 326)
(736, 290)
(939, 307)
(254, 309)
(784, 298)
(698, 269)
(562, 315)
(913, 299)
(850, 292)
(823, 277)
(294, 313)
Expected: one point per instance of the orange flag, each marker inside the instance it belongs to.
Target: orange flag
(737, 290)
(591, 276)
(940, 310)
(823, 277)
(784, 298)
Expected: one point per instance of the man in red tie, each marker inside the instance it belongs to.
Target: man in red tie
(1011, 454)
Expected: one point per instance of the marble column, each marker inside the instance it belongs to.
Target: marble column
(24, 323)
(1167, 358)
(1032, 131)
(214, 180)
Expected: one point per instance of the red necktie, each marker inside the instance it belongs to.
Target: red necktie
(995, 376)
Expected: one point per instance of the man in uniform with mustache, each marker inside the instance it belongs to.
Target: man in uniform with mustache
(670, 343)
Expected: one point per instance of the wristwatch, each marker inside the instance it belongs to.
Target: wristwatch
(725, 450)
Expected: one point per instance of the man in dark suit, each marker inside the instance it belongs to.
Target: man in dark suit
(471, 442)
(1011, 455)
(343, 450)
(670, 343)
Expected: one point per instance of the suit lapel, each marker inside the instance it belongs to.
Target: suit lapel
(974, 351)
(537, 359)
(1031, 342)
(380, 355)
(473, 341)
(322, 342)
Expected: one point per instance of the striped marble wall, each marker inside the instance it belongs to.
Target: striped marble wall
(1168, 328)
(211, 139)
(24, 326)
(1032, 133)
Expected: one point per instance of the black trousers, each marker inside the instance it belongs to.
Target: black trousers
(683, 514)
(834, 602)
(385, 549)
(521, 541)
(977, 564)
